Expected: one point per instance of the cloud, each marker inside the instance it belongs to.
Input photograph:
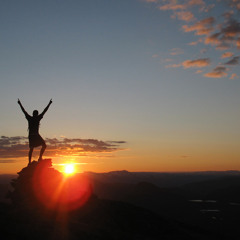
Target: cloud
(238, 43)
(217, 72)
(174, 65)
(199, 71)
(232, 29)
(155, 56)
(151, 1)
(233, 76)
(203, 27)
(227, 15)
(197, 63)
(167, 60)
(223, 46)
(8, 160)
(172, 5)
(235, 4)
(207, 8)
(228, 35)
(227, 55)
(195, 2)
(194, 43)
(221, 30)
(14, 147)
(186, 16)
(213, 39)
(233, 61)
(202, 62)
(176, 51)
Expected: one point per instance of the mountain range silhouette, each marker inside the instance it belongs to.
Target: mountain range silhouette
(29, 218)
(116, 210)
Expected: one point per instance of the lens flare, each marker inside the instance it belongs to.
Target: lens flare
(58, 192)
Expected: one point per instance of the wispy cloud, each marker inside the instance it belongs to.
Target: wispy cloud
(151, 1)
(14, 147)
(227, 55)
(186, 16)
(176, 51)
(217, 72)
(233, 61)
(203, 27)
(233, 76)
(194, 43)
(196, 63)
(180, 5)
(172, 5)
(216, 28)
(199, 63)
(199, 71)
(173, 65)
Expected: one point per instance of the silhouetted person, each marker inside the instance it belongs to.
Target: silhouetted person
(34, 137)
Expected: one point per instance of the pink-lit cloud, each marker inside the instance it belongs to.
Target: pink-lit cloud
(180, 5)
(227, 55)
(199, 71)
(203, 27)
(151, 1)
(194, 43)
(186, 16)
(174, 65)
(172, 5)
(197, 63)
(233, 61)
(233, 76)
(223, 46)
(176, 51)
(238, 43)
(213, 39)
(218, 72)
(218, 32)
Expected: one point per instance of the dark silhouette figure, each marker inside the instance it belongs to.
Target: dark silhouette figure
(34, 137)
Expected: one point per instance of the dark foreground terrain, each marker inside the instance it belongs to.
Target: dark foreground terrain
(125, 205)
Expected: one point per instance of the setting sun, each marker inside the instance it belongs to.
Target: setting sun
(69, 169)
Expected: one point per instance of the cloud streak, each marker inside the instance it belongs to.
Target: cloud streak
(217, 72)
(227, 55)
(197, 63)
(16, 147)
(203, 27)
(233, 61)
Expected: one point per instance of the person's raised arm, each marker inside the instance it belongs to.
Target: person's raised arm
(46, 108)
(21, 106)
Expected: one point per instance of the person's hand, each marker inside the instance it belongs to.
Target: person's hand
(18, 101)
(50, 101)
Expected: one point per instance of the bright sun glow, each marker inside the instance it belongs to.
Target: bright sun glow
(69, 169)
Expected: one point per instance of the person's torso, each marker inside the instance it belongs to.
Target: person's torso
(33, 125)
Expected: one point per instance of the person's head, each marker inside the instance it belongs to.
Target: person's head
(35, 113)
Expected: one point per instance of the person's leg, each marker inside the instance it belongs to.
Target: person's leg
(30, 154)
(42, 151)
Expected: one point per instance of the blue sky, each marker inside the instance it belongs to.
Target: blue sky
(150, 73)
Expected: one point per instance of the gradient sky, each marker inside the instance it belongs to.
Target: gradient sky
(141, 85)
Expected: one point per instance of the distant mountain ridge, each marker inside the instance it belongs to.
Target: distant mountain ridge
(161, 179)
